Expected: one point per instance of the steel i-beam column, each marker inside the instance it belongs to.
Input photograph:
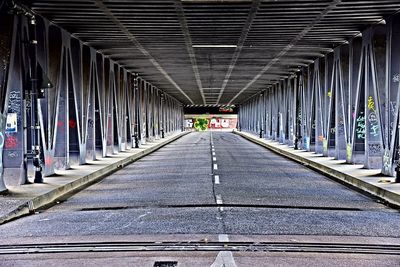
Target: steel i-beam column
(7, 52)
(340, 95)
(353, 139)
(374, 46)
(390, 165)
(36, 148)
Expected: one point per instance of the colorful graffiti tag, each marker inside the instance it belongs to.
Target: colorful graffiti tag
(203, 123)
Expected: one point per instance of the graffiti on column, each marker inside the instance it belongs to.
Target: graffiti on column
(386, 160)
(11, 141)
(189, 123)
(14, 110)
(1, 140)
(371, 104)
(14, 102)
(299, 116)
(72, 124)
(393, 106)
(340, 127)
(90, 123)
(396, 78)
(360, 129)
(374, 127)
(349, 151)
(374, 149)
(12, 123)
(13, 154)
(372, 118)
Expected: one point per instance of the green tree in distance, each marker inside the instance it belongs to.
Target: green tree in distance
(201, 124)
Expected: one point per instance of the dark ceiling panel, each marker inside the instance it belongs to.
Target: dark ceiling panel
(209, 51)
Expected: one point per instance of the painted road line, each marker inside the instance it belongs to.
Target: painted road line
(213, 153)
(215, 166)
(214, 159)
(224, 258)
(223, 238)
(216, 179)
(219, 202)
(219, 199)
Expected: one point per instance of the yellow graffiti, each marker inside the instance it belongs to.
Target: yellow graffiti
(371, 103)
(349, 152)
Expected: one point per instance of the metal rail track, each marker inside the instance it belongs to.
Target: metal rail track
(201, 246)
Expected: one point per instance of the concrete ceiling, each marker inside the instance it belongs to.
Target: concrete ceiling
(214, 51)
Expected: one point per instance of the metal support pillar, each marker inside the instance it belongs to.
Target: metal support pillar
(35, 125)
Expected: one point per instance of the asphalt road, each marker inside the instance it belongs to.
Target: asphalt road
(210, 187)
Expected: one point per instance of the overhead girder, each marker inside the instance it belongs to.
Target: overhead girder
(159, 26)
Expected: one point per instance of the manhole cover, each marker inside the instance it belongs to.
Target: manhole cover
(165, 264)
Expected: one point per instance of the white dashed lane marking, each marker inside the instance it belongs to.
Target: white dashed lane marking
(215, 166)
(216, 179)
(219, 199)
(219, 202)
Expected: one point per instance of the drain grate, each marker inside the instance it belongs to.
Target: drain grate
(165, 264)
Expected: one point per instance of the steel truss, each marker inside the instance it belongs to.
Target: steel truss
(95, 107)
(343, 105)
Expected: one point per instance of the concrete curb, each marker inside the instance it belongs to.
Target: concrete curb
(48, 198)
(381, 193)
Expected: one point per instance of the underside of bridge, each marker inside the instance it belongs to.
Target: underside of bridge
(86, 79)
(209, 52)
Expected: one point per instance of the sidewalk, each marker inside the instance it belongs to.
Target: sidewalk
(23, 200)
(370, 181)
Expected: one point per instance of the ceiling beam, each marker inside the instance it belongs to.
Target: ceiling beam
(129, 35)
(189, 46)
(245, 31)
(309, 27)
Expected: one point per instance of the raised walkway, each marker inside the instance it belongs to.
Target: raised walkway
(367, 180)
(27, 199)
